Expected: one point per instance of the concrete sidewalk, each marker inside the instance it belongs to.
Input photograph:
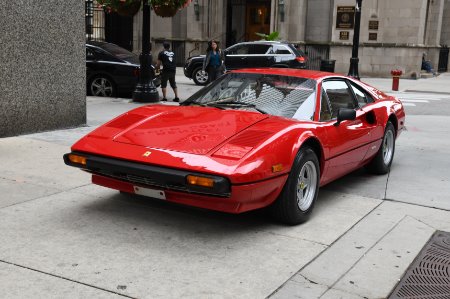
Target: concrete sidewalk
(63, 237)
(438, 84)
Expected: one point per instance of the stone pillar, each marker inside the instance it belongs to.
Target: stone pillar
(293, 27)
(43, 66)
(445, 32)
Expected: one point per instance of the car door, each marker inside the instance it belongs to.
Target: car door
(236, 57)
(260, 55)
(346, 143)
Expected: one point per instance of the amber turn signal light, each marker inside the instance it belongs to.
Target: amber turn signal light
(200, 181)
(277, 168)
(77, 159)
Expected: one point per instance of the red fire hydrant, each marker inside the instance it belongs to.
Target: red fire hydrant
(396, 78)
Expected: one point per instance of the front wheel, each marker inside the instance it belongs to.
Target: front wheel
(296, 201)
(381, 163)
(200, 77)
(102, 86)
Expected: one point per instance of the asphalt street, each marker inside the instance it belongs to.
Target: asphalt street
(63, 237)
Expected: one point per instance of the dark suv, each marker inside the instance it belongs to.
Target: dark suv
(258, 54)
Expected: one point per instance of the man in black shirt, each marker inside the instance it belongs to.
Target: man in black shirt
(167, 59)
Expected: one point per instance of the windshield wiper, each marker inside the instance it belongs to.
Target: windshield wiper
(236, 104)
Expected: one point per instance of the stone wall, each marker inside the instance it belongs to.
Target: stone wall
(445, 34)
(43, 68)
(318, 21)
(378, 60)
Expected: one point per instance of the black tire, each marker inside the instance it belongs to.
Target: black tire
(289, 208)
(102, 86)
(199, 78)
(382, 161)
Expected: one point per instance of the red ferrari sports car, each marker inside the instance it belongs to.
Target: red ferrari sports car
(253, 138)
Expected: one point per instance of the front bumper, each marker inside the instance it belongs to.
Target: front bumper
(149, 175)
(126, 176)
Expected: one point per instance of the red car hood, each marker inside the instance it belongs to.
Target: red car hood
(195, 130)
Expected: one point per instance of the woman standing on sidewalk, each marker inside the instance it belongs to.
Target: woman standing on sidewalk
(213, 62)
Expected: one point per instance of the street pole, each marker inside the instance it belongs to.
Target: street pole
(145, 89)
(353, 70)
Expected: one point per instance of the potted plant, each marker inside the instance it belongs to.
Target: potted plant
(123, 7)
(162, 8)
(168, 8)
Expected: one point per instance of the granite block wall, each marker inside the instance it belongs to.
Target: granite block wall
(378, 61)
(42, 66)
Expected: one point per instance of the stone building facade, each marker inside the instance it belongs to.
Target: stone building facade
(393, 34)
(42, 69)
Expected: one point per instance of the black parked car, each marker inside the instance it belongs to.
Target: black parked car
(250, 54)
(111, 70)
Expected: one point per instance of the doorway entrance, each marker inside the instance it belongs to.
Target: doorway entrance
(245, 19)
(257, 20)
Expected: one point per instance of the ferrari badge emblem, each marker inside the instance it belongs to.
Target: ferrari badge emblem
(146, 154)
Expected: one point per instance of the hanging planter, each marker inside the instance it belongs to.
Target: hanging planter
(168, 8)
(129, 9)
(165, 11)
(126, 8)
(162, 8)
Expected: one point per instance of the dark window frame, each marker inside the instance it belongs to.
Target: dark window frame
(352, 95)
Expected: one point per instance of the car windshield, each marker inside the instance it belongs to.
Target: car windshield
(285, 96)
(120, 53)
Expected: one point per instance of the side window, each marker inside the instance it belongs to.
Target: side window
(325, 112)
(280, 49)
(89, 54)
(339, 95)
(238, 50)
(259, 49)
(362, 97)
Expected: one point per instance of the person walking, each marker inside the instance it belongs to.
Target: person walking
(167, 59)
(213, 62)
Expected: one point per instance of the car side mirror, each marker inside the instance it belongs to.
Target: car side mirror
(345, 114)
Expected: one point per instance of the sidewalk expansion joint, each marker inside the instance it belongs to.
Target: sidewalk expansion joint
(68, 279)
(302, 239)
(416, 204)
(368, 249)
(44, 196)
(328, 246)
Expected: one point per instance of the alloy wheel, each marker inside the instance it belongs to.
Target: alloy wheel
(201, 76)
(101, 87)
(306, 186)
(388, 147)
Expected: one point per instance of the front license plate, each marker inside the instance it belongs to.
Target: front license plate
(149, 192)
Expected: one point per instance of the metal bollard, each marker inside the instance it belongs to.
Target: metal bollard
(396, 78)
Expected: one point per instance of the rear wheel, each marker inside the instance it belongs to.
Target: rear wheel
(381, 163)
(102, 86)
(200, 77)
(300, 192)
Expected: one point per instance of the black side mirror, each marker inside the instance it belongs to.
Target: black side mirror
(345, 114)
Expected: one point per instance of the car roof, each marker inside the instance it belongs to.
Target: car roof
(265, 42)
(95, 43)
(290, 72)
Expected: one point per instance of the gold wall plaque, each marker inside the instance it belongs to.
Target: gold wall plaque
(343, 35)
(345, 17)
(373, 25)
(372, 36)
